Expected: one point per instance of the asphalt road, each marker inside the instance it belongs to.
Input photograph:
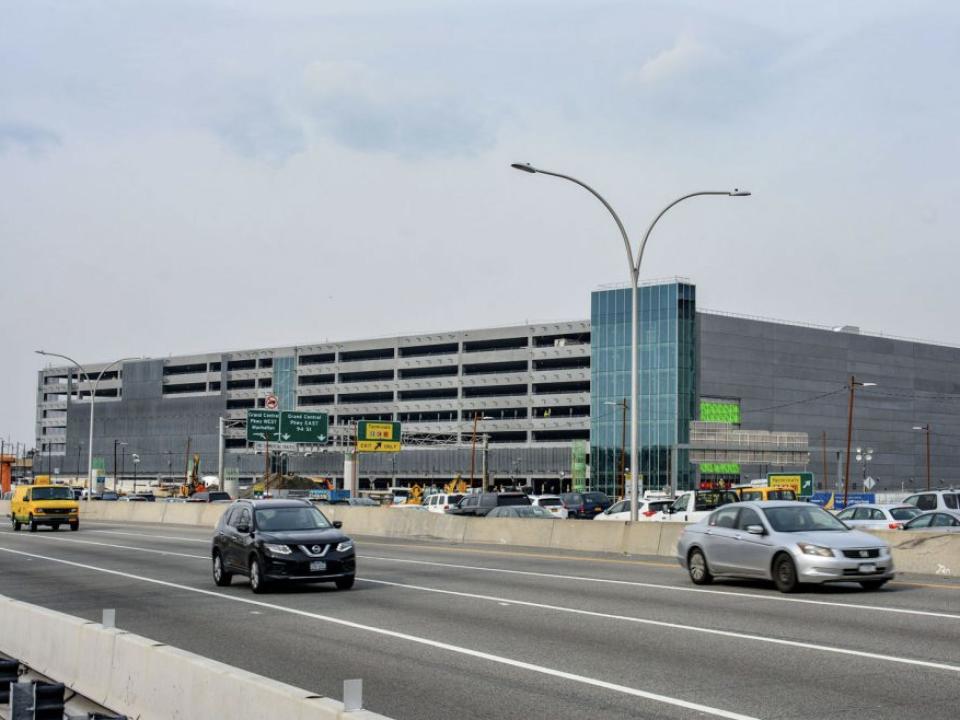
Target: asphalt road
(441, 631)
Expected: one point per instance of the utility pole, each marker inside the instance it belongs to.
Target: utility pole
(823, 445)
(483, 471)
(846, 475)
(623, 449)
(473, 447)
(220, 445)
(926, 429)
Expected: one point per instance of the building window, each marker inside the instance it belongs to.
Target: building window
(241, 384)
(473, 346)
(241, 364)
(424, 350)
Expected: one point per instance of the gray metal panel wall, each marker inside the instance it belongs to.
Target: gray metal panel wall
(153, 426)
(776, 370)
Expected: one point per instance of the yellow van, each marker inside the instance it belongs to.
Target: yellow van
(36, 505)
(753, 492)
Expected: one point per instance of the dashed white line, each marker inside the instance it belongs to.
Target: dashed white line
(489, 657)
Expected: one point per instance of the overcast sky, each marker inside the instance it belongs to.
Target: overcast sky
(196, 176)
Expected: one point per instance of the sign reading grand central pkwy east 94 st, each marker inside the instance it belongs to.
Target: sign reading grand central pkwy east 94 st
(378, 436)
(286, 426)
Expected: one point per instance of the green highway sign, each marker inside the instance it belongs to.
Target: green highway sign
(800, 482)
(290, 427)
(263, 426)
(373, 436)
(303, 427)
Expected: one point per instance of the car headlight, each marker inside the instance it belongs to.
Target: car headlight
(276, 549)
(345, 545)
(819, 550)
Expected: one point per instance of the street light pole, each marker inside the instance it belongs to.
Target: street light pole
(926, 429)
(854, 383)
(634, 317)
(93, 399)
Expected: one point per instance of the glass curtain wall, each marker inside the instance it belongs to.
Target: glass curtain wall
(667, 379)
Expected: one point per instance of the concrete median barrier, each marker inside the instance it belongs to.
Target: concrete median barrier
(507, 531)
(148, 680)
(592, 535)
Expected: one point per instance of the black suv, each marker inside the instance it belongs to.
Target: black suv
(479, 504)
(281, 540)
(585, 505)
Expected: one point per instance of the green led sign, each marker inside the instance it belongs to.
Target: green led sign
(720, 412)
(719, 468)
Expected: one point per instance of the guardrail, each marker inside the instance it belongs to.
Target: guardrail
(917, 552)
(149, 680)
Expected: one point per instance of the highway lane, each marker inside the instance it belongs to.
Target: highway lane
(582, 621)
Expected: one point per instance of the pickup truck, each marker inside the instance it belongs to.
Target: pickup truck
(695, 505)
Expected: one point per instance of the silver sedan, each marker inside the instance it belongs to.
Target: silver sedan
(788, 542)
(936, 521)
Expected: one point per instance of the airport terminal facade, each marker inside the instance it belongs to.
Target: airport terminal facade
(547, 397)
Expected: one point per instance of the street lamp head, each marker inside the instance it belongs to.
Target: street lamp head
(526, 167)
(868, 384)
(737, 192)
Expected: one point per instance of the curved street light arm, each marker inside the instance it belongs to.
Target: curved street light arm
(643, 243)
(616, 218)
(68, 359)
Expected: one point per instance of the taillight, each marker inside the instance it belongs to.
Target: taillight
(446, 507)
(649, 513)
(894, 526)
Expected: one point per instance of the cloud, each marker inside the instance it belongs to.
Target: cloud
(363, 110)
(33, 138)
(686, 56)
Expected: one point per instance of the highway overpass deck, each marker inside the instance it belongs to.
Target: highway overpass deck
(442, 631)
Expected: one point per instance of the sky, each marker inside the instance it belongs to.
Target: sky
(182, 177)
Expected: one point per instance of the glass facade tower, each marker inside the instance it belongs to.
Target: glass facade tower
(667, 385)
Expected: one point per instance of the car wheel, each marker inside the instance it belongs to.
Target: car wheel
(16, 524)
(785, 574)
(257, 583)
(697, 567)
(220, 576)
(33, 524)
(872, 584)
(56, 526)
(345, 583)
(74, 526)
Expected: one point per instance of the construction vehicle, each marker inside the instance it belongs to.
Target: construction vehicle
(194, 483)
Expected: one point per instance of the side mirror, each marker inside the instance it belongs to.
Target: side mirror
(244, 528)
(670, 510)
(338, 524)
(756, 530)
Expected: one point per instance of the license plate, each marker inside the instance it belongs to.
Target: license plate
(597, 509)
(868, 567)
(318, 565)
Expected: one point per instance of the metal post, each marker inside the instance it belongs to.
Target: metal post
(220, 446)
(846, 474)
(483, 472)
(623, 450)
(823, 445)
(473, 447)
(928, 456)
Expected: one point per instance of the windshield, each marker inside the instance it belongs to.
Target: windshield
(51, 493)
(595, 497)
(550, 501)
(802, 518)
(531, 511)
(291, 518)
(904, 513)
(711, 499)
(513, 500)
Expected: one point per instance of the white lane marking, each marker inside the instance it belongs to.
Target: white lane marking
(678, 588)
(499, 659)
(119, 547)
(674, 626)
(630, 583)
(606, 616)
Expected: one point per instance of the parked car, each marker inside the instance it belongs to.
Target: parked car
(940, 521)
(358, 502)
(273, 541)
(646, 511)
(36, 505)
(788, 542)
(479, 504)
(870, 516)
(552, 504)
(935, 500)
(585, 504)
(521, 511)
(132, 498)
(441, 502)
(695, 505)
(210, 497)
(107, 495)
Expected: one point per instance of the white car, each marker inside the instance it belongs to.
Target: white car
(869, 516)
(646, 510)
(552, 503)
(441, 502)
(935, 500)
